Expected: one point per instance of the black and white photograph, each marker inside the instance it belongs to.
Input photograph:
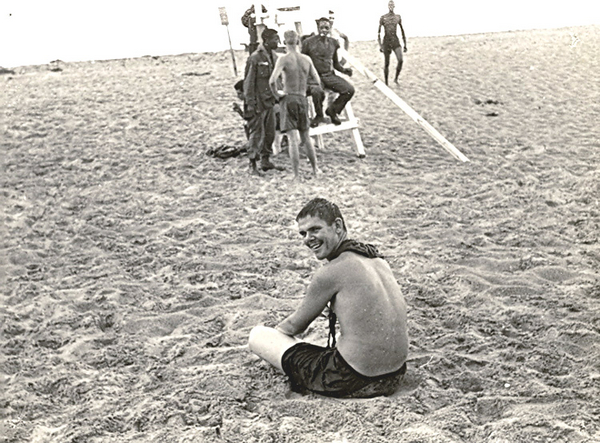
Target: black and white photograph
(299, 221)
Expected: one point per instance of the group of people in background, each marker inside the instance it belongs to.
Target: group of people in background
(275, 89)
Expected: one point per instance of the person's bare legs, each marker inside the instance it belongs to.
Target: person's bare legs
(270, 344)
(310, 150)
(293, 148)
(398, 52)
(386, 66)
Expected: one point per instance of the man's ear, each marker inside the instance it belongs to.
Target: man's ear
(339, 225)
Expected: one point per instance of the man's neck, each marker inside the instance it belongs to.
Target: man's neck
(343, 238)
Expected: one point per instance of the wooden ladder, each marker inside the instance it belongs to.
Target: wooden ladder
(349, 123)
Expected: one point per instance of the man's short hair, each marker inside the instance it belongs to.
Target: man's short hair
(322, 208)
(323, 19)
(290, 37)
(268, 33)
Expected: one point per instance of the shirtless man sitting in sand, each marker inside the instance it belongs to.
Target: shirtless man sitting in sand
(370, 356)
(296, 69)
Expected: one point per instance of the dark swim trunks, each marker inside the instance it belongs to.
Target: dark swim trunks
(294, 112)
(324, 371)
(390, 43)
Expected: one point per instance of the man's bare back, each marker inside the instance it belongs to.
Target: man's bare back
(371, 312)
(297, 69)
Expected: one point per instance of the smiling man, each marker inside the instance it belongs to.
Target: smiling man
(322, 49)
(369, 356)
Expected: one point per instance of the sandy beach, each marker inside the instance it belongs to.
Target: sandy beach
(134, 265)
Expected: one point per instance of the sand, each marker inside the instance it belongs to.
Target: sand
(134, 265)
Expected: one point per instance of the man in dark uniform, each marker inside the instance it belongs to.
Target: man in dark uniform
(259, 101)
(391, 43)
(322, 49)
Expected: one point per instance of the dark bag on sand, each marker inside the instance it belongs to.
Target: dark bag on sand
(225, 151)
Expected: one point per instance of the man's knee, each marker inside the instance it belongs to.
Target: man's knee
(343, 87)
(347, 91)
(269, 344)
(351, 90)
(256, 337)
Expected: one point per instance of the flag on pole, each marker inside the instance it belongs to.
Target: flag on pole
(225, 22)
(223, 14)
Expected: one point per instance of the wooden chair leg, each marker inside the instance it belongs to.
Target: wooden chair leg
(277, 143)
(358, 144)
(311, 113)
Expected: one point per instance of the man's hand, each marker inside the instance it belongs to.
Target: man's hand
(238, 109)
(348, 72)
(405, 48)
(278, 329)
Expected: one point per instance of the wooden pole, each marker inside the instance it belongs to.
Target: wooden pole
(232, 54)
(404, 106)
(225, 22)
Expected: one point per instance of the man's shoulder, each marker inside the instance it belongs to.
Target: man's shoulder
(346, 268)
(290, 57)
(345, 259)
(390, 16)
(305, 57)
(255, 56)
(309, 40)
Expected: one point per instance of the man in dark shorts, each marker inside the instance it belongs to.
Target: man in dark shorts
(322, 49)
(296, 69)
(391, 43)
(358, 286)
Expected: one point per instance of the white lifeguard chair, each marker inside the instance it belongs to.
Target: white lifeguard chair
(289, 17)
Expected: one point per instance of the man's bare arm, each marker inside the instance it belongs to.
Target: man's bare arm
(402, 30)
(343, 37)
(275, 75)
(338, 67)
(320, 291)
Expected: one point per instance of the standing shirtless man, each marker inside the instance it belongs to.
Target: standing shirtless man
(296, 69)
(369, 358)
(391, 43)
